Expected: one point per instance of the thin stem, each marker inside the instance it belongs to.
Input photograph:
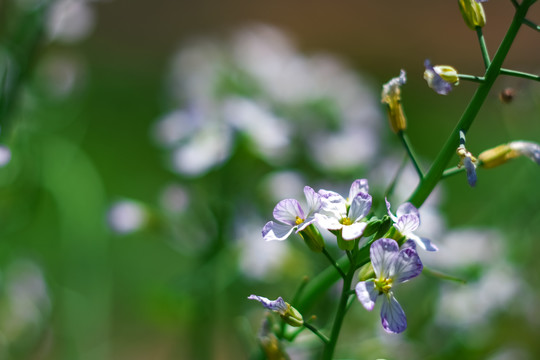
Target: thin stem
(520, 74)
(473, 78)
(333, 262)
(452, 171)
(428, 183)
(439, 275)
(407, 144)
(316, 331)
(340, 315)
(531, 24)
(483, 47)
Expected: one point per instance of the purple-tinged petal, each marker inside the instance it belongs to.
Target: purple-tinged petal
(383, 253)
(424, 243)
(360, 206)
(406, 224)
(409, 244)
(470, 169)
(392, 315)
(353, 231)
(406, 209)
(407, 265)
(287, 211)
(314, 202)
(310, 220)
(278, 305)
(328, 222)
(367, 293)
(358, 186)
(526, 148)
(333, 202)
(394, 219)
(275, 231)
(436, 82)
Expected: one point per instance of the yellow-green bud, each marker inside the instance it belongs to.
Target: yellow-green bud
(495, 156)
(391, 96)
(366, 272)
(395, 234)
(448, 73)
(473, 13)
(292, 317)
(313, 238)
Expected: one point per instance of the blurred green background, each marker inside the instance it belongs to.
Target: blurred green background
(81, 123)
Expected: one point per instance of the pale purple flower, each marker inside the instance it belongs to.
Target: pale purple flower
(291, 217)
(391, 266)
(435, 81)
(407, 221)
(279, 305)
(346, 215)
(526, 148)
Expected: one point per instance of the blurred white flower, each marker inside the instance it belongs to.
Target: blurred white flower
(283, 185)
(61, 74)
(70, 21)
(175, 127)
(126, 216)
(267, 132)
(5, 155)
(207, 148)
(174, 198)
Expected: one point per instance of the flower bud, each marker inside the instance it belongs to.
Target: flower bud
(292, 316)
(313, 238)
(391, 96)
(473, 13)
(289, 314)
(395, 234)
(448, 73)
(366, 272)
(495, 156)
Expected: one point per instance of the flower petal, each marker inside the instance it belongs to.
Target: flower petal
(275, 231)
(367, 293)
(394, 219)
(406, 209)
(333, 202)
(435, 81)
(287, 210)
(406, 224)
(328, 222)
(358, 186)
(424, 243)
(353, 231)
(392, 315)
(407, 265)
(383, 253)
(313, 199)
(470, 169)
(360, 206)
(278, 305)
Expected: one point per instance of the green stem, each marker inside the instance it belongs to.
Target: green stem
(407, 144)
(439, 275)
(316, 331)
(483, 47)
(340, 315)
(452, 171)
(428, 183)
(333, 262)
(473, 78)
(531, 24)
(520, 74)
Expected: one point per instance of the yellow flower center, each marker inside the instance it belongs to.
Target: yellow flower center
(383, 285)
(346, 221)
(299, 220)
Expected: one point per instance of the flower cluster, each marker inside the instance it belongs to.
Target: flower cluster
(393, 255)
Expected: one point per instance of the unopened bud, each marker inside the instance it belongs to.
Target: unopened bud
(473, 13)
(448, 73)
(495, 156)
(292, 317)
(313, 238)
(391, 96)
(366, 272)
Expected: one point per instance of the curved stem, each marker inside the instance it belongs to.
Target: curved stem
(428, 183)
(473, 78)
(520, 74)
(316, 331)
(483, 47)
(333, 262)
(407, 144)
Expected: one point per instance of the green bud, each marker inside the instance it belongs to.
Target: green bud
(448, 73)
(313, 238)
(372, 227)
(473, 13)
(346, 245)
(366, 272)
(495, 156)
(292, 317)
(394, 233)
